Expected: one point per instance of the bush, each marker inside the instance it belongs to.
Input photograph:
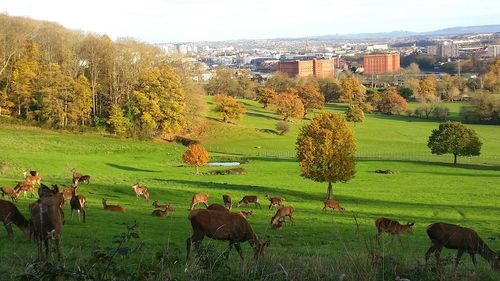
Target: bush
(424, 111)
(355, 114)
(233, 171)
(185, 141)
(282, 127)
(440, 112)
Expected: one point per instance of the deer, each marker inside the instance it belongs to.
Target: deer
(25, 186)
(140, 191)
(77, 202)
(35, 179)
(9, 192)
(112, 208)
(246, 214)
(199, 198)
(9, 214)
(462, 239)
(161, 213)
(279, 218)
(217, 207)
(275, 201)
(334, 205)
(47, 222)
(68, 193)
(225, 226)
(77, 177)
(249, 199)
(161, 206)
(392, 227)
(228, 201)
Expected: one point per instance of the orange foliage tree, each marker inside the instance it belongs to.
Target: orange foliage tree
(391, 102)
(195, 155)
(325, 150)
(310, 97)
(266, 96)
(289, 105)
(228, 108)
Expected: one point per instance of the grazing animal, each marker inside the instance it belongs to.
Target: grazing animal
(217, 207)
(462, 239)
(392, 227)
(112, 208)
(47, 221)
(77, 202)
(33, 179)
(162, 206)
(67, 194)
(77, 177)
(199, 198)
(279, 217)
(161, 213)
(30, 172)
(140, 191)
(275, 201)
(10, 192)
(9, 214)
(246, 214)
(25, 186)
(334, 205)
(228, 201)
(227, 226)
(249, 199)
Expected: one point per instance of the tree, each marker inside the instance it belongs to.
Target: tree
(455, 138)
(195, 155)
(280, 83)
(289, 105)
(486, 106)
(282, 127)
(427, 90)
(391, 102)
(325, 150)
(355, 114)
(266, 96)
(352, 91)
(310, 97)
(492, 77)
(228, 108)
(223, 83)
(118, 122)
(330, 88)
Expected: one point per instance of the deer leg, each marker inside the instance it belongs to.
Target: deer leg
(46, 244)
(238, 248)
(377, 236)
(437, 253)
(58, 247)
(291, 220)
(229, 249)
(399, 238)
(72, 210)
(459, 256)
(206, 205)
(83, 211)
(429, 252)
(189, 244)
(270, 206)
(473, 257)
(8, 227)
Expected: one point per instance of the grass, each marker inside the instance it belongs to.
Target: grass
(426, 189)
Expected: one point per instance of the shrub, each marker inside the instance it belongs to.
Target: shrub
(282, 127)
(355, 114)
(440, 112)
(232, 171)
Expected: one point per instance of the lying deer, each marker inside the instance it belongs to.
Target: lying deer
(392, 227)
(232, 227)
(140, 191)
(275, 201)
(25, 186)
(199, 198)
(9, 192)
(228, 201)
(9, 214)
(334, 205)
(279, 218)
(162, 206)
(246, 214)
(112, 208)
(462, 239)
(249, 199)
(161, 213)
(77, 202)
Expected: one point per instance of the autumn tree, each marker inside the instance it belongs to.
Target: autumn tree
(228, 108)
(266, 96)
(282, 127)
(222, 83)
(289, 105)
(391, 102)
(427, 91)
(280, 83)
(455, 138)
(355, 114)
(195, 155)
(117, 120)
(492, 77)
(487, 107)
(352, 91)
(325, 150)
(310, 96)
(330, 89)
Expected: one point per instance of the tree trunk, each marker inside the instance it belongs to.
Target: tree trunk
(330, 191)
(455, 160)
(196, 170)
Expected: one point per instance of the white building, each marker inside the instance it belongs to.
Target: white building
(493, 51)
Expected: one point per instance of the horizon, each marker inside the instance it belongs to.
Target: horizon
(197, 21)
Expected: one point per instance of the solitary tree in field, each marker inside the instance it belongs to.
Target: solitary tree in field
(289, 105)
(195, 155)
(310, 97)
(355, 114)
(391, 102)
(228, 108)
(266, 96)
(325, 150)
(455, 138)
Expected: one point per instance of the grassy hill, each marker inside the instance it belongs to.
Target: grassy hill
(426, 189)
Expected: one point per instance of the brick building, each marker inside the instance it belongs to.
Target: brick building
(381, 63)
(304, 68)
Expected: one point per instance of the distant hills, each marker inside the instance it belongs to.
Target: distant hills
(458, 30)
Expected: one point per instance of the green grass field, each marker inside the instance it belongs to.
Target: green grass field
(426, 189)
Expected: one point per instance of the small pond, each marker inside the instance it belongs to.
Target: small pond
(224, 164)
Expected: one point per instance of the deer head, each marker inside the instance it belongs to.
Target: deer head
(259, 248)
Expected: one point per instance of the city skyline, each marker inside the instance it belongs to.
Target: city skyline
(196, 20)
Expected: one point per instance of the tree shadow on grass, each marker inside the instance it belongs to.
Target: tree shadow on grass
(130, 169)
(440, 164)
(261, 115)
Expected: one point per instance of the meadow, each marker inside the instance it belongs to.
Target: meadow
(426, 189)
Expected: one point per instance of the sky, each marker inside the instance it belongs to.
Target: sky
(161, 21)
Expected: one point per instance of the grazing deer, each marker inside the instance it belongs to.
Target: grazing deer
(47, 221)
(226, 226)
(246, 214)
(249, 199)
(228, 201)
(199, 198)
(334, 205)
(77, 202)
(217, 207)
(275, 201)
(462, 239)
(279, 217)
(140, 191)
(112, 208)
(31, 178)
(161, 213)
(30, 172)
(77, 177)
(9, 214)
(25, 186)
(392, 227)
(9, 192)
(162, 206)
(68, 193)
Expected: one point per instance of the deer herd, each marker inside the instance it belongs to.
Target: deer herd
(217, 221)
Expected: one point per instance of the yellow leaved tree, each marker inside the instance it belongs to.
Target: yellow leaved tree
(195, 155)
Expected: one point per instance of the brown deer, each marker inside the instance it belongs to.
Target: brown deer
(246, 214)
(47, 221)
(25, 186)
(228, 201)
(9, 214)
(249, 199)
(9, 192)
(68, 193)
(392, 227)
(217, 207)
(161, 206)
(112, 208)
(279, 218)
(161, 213)
(199, 198)
(30, 172)
(140, 191)
(226, 226)
(462, 239)
(77, 177)
(77, 202)
(275, 201)
(334, 205)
